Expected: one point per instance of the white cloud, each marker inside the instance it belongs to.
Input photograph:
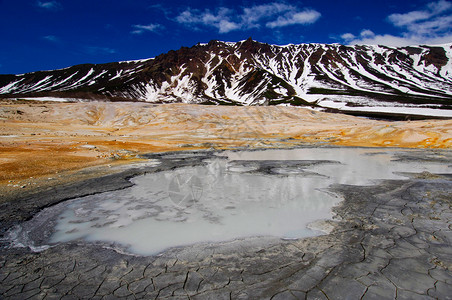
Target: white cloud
(415, 17)
(366, 33)
(271, 15)
(408, 18)
(291, 18)
(348, 36)
(49, 5)
(140, 29)
(386, 39)
(221, 19)
(187, 17)
(432, 25)
(440, 6)
(251, 16)
(225, 26)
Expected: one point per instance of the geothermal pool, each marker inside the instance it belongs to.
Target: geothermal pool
(233, 195)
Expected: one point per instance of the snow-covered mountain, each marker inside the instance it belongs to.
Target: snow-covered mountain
(407, 80)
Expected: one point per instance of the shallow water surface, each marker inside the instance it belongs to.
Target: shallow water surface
(234, 195)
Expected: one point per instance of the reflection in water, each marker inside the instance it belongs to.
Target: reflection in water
(259, 193)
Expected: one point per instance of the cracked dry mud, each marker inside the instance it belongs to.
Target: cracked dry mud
(390, 241)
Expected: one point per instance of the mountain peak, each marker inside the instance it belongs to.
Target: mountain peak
(252, 73)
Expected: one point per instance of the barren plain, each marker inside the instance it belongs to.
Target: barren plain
(41, 142)
(391, 240)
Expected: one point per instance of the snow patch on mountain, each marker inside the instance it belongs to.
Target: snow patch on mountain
(252, 73)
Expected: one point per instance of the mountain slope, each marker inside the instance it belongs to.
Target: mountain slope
(358, 78)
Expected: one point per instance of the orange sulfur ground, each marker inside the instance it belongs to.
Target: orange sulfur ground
(40, 140)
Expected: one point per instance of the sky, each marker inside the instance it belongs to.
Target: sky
(52, 34)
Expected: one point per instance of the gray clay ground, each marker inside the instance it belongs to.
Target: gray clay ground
(390, 241)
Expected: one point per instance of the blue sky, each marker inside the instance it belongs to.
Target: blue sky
(51, 34)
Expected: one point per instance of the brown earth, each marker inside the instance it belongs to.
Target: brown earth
(43, 143)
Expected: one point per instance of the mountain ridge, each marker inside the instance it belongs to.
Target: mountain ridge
(330, 76)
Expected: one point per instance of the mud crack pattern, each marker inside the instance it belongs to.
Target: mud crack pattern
(391, 241)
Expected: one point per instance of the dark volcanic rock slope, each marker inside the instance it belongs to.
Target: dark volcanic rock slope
(252, 73)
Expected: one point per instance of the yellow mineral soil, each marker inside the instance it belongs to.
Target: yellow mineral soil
(38, 141)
